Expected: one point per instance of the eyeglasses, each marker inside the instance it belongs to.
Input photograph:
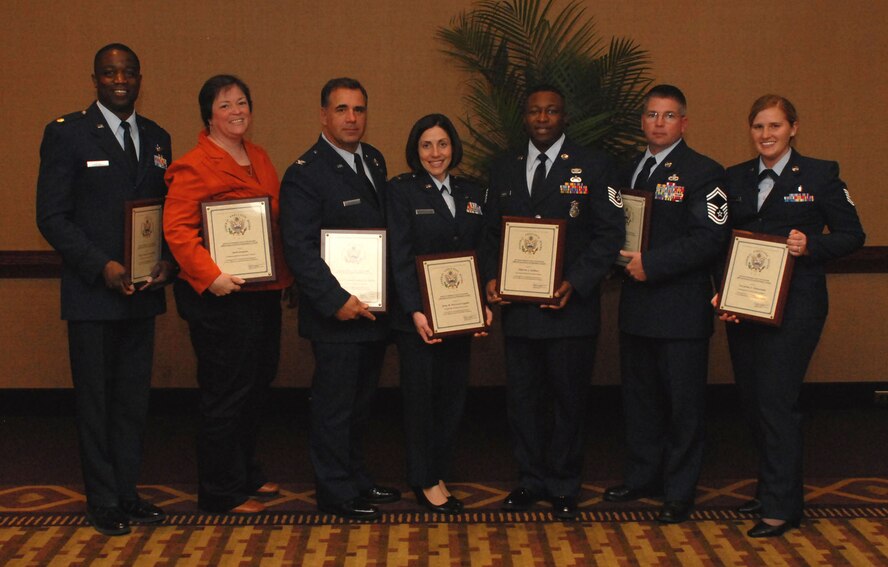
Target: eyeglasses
(653, 115)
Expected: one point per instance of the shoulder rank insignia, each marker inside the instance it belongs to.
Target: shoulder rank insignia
(848, 196)
(60, 119)
(614, 196)
(717, 206)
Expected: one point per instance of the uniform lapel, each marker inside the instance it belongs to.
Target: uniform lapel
(106, 140)
(785, 184)
(553, 178)
(434, 197)
(670, 165)
(349, 177)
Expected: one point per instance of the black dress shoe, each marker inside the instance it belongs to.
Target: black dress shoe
(519, 500)
(761, 529)
(753, 506)
(451, 506)
(623, 493)
(108, 520)
(141, 512)
(354, 509)
(564, 507)
(381, 494)
(674, 512)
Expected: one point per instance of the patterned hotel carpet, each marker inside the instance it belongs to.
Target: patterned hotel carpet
(846, 524)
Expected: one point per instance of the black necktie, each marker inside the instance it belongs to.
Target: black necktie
(539, 176)
(359, 168)
(129, 148)
(451, 206)
(767, 173)
(644, 173)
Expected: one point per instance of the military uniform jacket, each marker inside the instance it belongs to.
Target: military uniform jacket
(595, 232)
(688, 231)
(83, 184)
(420, 223)
(808, 196)
(320, 190)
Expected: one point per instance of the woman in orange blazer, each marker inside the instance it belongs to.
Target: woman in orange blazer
(235, 325)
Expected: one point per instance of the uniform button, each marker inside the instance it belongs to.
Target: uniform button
(537, 217)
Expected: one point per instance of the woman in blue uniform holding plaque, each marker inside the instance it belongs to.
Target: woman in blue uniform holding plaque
(429, 212)
(235, 324)
(784, 193)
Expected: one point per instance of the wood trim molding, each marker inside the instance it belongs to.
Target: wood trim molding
(48, 264)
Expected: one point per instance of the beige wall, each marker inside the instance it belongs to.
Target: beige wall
(826, 57)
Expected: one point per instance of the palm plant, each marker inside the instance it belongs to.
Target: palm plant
(507, 46)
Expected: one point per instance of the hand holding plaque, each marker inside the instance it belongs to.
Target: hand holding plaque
(531, 259)
(756, 278)
(238, 235)
(451, 293)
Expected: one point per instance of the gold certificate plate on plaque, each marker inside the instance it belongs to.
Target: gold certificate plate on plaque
(451, 293)
(637, 208)
(143, 237)
(238, 235)
(357, 260)
(756, 279)
(531, 258)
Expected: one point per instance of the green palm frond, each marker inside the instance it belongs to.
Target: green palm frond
(506, 46)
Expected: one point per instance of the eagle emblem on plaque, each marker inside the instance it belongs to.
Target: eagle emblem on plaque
(451, 278)
(237, 225)
(531, 243)
(758, 261)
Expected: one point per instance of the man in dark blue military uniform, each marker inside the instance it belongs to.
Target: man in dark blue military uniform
(91, 163)
(339, 183)
(665, 311)
(550, 349)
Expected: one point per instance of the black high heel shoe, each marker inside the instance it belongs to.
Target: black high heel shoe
(452, 506)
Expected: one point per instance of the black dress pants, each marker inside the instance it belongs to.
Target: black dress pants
(547, 385)
(434, 379)
(664, 388)
(111, 369)
(237, 341)
(769, 367)
(342, 389)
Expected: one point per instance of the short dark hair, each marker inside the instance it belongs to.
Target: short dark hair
(118, 47)
(341, 83)
(542, 88)
(770, 101)
(423, 124)
(666, 91)
(211, 89)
